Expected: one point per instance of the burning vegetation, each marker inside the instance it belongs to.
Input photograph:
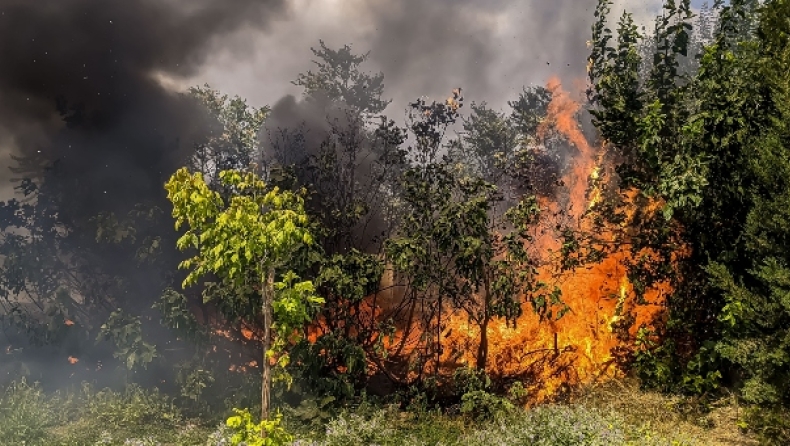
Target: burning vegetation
(640, 229)
(596, 313)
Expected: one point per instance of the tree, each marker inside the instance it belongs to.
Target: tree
(756, 313)
(235, 144)
(349, 175)
(457, 251)
(338, 77)
(710, 149)
(245, 241)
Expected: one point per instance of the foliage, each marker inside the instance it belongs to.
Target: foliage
(711, 144)
(266, 433)
(756, 313)
(126, 333)
(141, 417)
(349, 177)
(243, 242)
(771, 425)
(85, 416)
(553, 426)
(25, 414)
(236, 144)
(133, 406)
(59, 281)
(456, 247)
(176, 315)
(338, 76)
(357, 429)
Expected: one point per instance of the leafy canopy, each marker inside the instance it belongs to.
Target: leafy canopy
(240, 241)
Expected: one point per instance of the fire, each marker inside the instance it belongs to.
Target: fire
(73, 360)
(549, 356)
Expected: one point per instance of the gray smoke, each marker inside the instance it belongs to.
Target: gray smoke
(424, 48)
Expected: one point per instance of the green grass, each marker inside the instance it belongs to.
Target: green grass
(614, 414)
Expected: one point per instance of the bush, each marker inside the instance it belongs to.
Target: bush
(553, 425)
(132, 407)
(354, 429)
(772, 425)
(482, 405)
(25, 414)
(245, 432)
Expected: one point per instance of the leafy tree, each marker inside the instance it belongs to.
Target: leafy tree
(61, 280)
(756, 315)
(338, 76)
(245, 241)
(236, 143)
(454, 249)
(349, 176)
(488, 145)
(709, 147)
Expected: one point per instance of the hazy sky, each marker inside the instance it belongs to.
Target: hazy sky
(490, 48)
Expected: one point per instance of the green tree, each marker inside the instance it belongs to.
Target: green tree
(350, 177)
(756, 311)
(712, 147)
(245, 241)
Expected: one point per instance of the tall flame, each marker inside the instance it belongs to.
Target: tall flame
(549, 356)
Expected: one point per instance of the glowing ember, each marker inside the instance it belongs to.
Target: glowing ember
(73, 360)
(247, 333)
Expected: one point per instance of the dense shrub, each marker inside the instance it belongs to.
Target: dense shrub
(26, 414)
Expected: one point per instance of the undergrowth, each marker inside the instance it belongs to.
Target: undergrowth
(614, 414)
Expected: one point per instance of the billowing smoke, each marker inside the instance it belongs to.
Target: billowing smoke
(82, 104)
(99, 62)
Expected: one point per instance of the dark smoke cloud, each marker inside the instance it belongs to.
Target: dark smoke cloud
(105, 56)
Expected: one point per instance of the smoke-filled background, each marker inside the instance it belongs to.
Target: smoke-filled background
(123, 60)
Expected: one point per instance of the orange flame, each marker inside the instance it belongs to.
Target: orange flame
(549, 356)
(552, 355)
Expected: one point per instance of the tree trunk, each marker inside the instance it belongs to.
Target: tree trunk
(482, 349)
(267, 293)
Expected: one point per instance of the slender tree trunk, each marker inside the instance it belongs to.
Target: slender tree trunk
(267, 293)
(482, 349)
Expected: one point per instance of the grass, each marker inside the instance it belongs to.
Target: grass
(616, 413)
(670, 416)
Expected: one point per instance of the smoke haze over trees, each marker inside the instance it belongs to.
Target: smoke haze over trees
(480, 226)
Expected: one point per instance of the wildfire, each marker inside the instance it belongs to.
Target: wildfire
(72, 360)
(549, 356)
